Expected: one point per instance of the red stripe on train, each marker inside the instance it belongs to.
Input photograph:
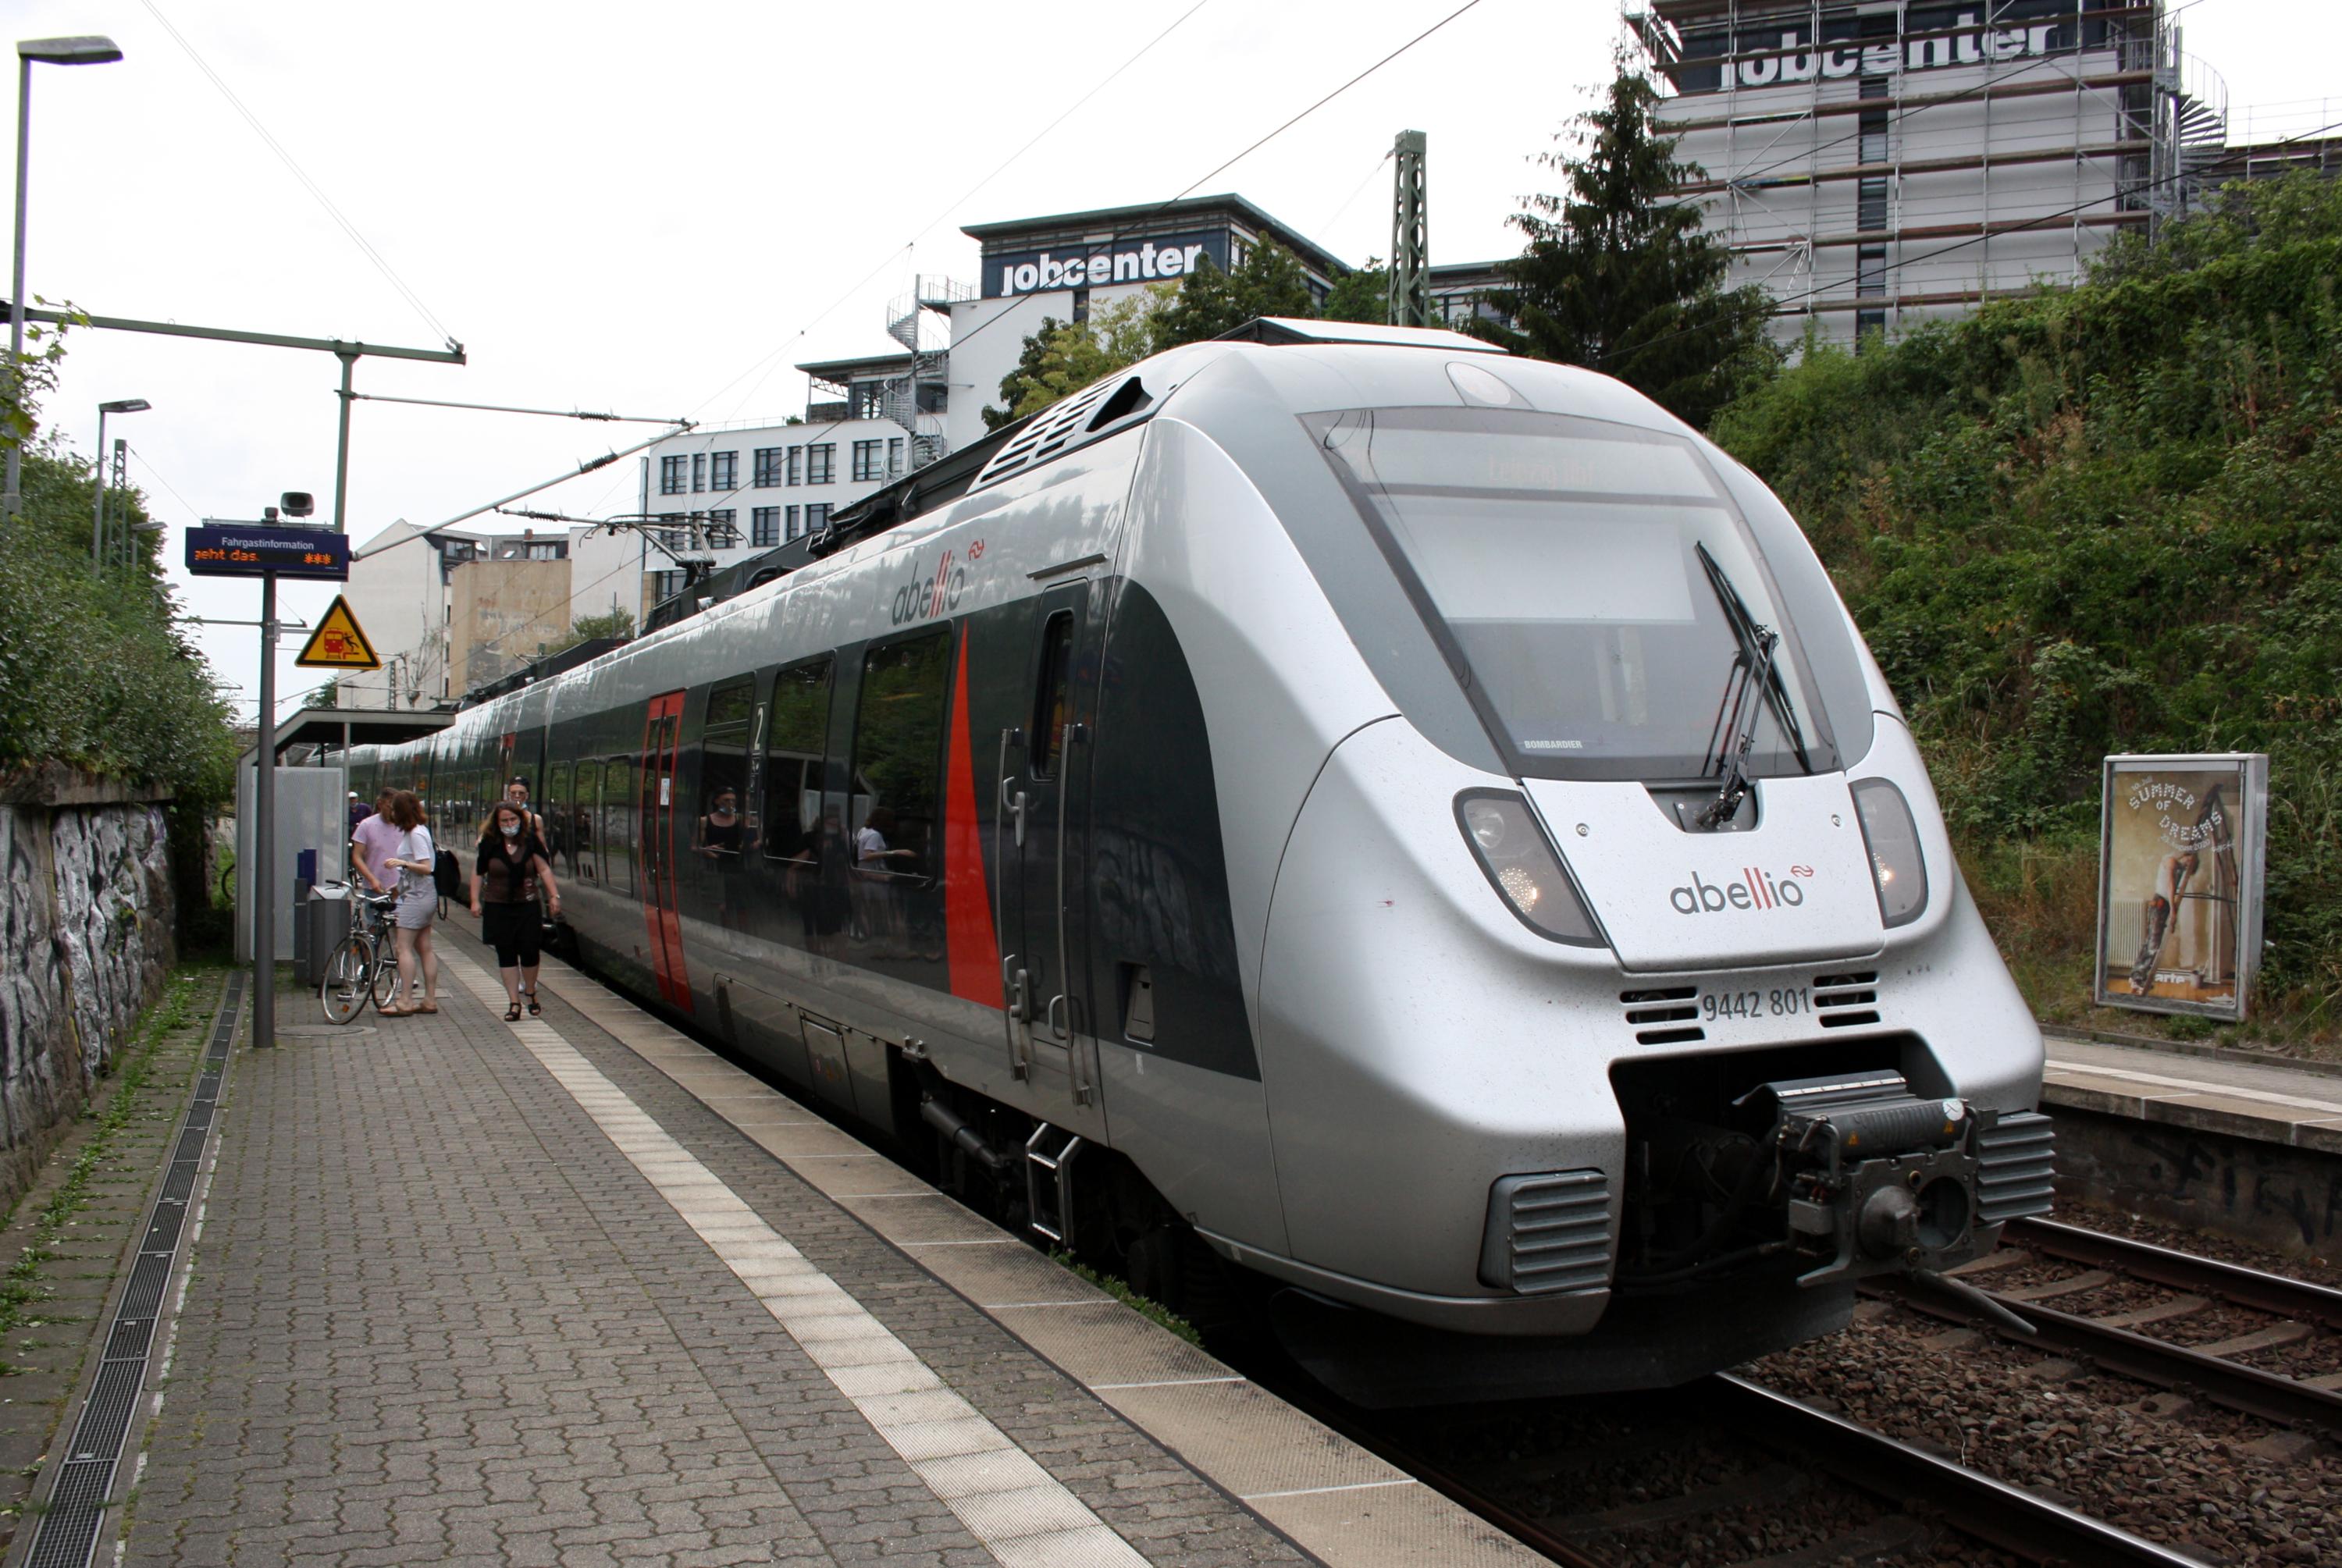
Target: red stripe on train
(973, 946)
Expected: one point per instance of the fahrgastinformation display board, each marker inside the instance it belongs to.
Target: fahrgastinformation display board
(2181, 852)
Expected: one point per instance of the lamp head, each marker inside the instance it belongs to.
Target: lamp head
(89, 49)
(125, 405)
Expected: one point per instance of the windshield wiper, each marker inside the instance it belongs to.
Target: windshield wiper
(1749, 687)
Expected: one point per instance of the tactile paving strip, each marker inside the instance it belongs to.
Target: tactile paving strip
(67, 1534)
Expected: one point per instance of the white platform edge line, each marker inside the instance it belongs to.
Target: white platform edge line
(1092, 1541)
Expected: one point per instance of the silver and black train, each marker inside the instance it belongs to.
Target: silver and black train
(1340, 824)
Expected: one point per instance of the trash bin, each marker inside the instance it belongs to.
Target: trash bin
(324, 920)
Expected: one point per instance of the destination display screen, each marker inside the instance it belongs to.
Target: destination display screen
(250, 549)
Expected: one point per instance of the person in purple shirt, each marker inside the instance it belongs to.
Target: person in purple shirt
(373, 840)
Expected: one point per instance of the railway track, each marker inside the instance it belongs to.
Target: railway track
(2113, 1341)
(1913, 1506)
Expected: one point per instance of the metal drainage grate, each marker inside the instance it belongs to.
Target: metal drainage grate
(68, 1530)
(132, 1336)
(105, 1418)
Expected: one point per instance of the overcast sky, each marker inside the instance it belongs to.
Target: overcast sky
(660, 211)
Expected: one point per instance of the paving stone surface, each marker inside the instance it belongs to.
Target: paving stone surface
(435, 1317)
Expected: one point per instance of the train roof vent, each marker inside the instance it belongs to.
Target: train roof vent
(1283, 329)
(1078, 420)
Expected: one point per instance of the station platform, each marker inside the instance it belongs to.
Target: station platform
(578, 1291)
(2264, 1101)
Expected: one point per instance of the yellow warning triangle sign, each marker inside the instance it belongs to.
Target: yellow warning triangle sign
(337, 644)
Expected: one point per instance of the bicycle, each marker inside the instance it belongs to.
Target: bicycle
(363, 965)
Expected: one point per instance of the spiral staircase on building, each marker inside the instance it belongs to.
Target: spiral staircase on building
(908, 324)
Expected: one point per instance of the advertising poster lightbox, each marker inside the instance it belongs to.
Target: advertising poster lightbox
(2180, 849)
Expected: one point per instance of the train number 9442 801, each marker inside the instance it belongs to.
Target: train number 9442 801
(1780, 1002)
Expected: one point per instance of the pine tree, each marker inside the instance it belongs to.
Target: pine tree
(1619, 274)
(1267, 281)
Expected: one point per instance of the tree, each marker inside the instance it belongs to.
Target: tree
(1065, 356)
(1363, 295)
(1620, 276)
(1267, 281)
(1031, 360)
(619, 624)
(96, 669)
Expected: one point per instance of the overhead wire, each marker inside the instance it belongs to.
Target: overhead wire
(766, 362)
(1102, 246)
(302, 175)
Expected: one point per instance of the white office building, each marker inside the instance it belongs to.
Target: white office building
(1883, 163)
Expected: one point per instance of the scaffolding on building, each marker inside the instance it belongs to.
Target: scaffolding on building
(1886, 161)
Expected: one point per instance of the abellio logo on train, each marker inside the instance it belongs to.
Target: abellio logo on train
(930, 593)
(1755, 890)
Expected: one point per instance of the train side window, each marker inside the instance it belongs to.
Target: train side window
(618, 826)
(726, 827)
(587, 841)
(897, 801)
(557, 822)
(796, 736)
(1055, 687)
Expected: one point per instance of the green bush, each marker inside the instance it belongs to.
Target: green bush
(93, 671)
(2103, 519)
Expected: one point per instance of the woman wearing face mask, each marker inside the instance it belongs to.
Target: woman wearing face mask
(509, 852)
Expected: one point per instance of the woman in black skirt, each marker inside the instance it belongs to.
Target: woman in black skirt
(503, 895)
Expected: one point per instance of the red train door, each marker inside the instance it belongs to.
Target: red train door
(660, 731)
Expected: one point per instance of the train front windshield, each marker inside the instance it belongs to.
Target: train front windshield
(1564, 558)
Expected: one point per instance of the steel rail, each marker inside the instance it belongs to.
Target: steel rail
(2271, 1396)
(2268, 1292)
(1974, 1504)
(1969, 1502)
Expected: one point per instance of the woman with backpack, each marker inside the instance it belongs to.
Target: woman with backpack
(415, 859)
(505, 902)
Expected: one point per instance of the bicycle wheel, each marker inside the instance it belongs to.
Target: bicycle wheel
(343, 992)
(385, 975)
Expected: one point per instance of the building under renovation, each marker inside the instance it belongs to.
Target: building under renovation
(1875, 164)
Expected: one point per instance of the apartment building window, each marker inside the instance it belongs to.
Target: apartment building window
(724, 529)
(894, 458)
(764, 526)
(723, 471)
(1869, 282)
(768, 467)
(866, 459)
(665, 586)
(794, 526)
(869, 400)
(797, 465)
(699, 472)
(817, 517)
(672, 533)
(821, 464)
(671, 476)
(1870, 192)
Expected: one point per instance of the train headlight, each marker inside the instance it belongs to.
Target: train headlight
(1522, 867)
(1892, 838)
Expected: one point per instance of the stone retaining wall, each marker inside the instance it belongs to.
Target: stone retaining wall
(85, 937)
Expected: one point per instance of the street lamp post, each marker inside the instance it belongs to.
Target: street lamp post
(97, 509)
(89, 50)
